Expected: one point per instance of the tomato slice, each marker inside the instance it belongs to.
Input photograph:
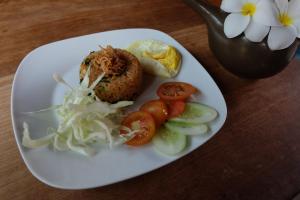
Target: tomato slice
(158, 109)
(175, 108)
(142, 121)
(175, 91)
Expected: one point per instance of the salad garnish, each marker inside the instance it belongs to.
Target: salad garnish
(84, 120)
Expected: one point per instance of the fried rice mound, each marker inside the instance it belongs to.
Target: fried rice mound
(123, 74)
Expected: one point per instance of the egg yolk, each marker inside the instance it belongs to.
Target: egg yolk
(169, 58)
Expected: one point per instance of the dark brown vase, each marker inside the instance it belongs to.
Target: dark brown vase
(238, 55)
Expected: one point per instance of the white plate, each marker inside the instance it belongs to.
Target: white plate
(34, 89)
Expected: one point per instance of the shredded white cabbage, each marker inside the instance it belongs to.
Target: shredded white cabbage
(83, 121)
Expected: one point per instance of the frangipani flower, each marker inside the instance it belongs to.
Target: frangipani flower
(243, 19)
(286, 26)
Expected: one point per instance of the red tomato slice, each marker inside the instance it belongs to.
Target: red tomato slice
(171, 91)
(142, 121)
(175, 108)
(158, 109)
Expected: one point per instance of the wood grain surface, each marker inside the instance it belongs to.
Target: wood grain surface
(256, 155)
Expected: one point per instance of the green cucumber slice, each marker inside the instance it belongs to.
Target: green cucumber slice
(169, 143)
(196, 113)
(187, 129)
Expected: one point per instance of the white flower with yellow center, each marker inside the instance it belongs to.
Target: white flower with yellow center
(243, 18)
(285, 24)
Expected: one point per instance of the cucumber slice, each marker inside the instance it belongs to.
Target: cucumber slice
(196, 113)
(169, 143)
(187, 129)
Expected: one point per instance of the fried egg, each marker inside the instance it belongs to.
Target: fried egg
(156, 57)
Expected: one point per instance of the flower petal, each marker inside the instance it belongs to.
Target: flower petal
(232, 5)
(294, 9)
(251, 1)
(282, 5)
(297, 25)
(266, 13)
(281, 37)
(235, 24)
(256, 32)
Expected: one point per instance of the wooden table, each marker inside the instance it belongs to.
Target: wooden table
(256, 155)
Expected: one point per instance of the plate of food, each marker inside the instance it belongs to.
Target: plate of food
(98, 109)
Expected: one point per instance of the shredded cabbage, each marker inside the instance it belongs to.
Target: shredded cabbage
(84, 120)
